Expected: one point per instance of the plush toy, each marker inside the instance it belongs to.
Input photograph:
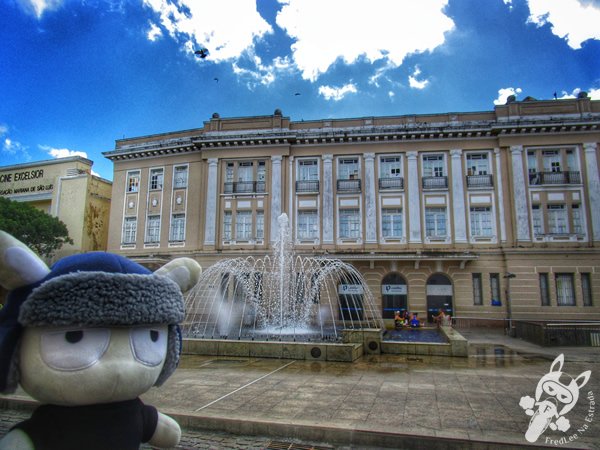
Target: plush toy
(86, 338)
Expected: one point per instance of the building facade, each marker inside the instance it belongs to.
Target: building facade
(490, 214)
(64, 188)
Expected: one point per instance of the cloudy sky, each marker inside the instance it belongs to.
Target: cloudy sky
(75, 75)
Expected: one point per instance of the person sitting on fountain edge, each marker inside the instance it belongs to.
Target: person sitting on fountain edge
(414, 321)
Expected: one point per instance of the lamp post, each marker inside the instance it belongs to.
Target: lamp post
(508, 277)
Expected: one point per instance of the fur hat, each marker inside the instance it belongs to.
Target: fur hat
(94, 290)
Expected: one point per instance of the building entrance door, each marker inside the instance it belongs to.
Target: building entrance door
(394, 295)
(351, 301)
(439, 295)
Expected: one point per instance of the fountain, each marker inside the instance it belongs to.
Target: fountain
(281, 297)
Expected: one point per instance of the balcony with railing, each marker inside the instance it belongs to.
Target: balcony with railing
(391, 183)
(307, 186)
(435, 182)
(480, 181)
(348, 185)
(244, 187)
(539, 178)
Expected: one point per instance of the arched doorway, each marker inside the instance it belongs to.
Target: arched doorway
(394, 295)
(439, 295)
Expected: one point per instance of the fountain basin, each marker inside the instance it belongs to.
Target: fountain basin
(316, 351)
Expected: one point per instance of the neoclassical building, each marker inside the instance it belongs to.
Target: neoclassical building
(489, 214)
(64, 188)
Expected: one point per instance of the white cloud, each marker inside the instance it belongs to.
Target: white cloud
(11, 147)
(62, 152)
(154, 32)
(574, 20)
(593, 94)
(350, 29)
(38, 7)
(259, 73)
(413, 82)
(335, 93)
(212, 24)
(504, 93)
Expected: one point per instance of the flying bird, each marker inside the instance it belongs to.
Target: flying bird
(202, 53)
(216, 79)
(297, 93)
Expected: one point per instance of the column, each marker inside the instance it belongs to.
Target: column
(327, 219)
(500, 190)
(520, 194)
(458, 197)
(370, 199)
(593, 186)
(275, 195)
(414, 198)
(210, 217)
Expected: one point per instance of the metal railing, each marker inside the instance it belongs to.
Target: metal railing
(571, 177)
(348, 185)
(243, 187)
(480, 181)
(435, 182)
(391, 183)
(307, 186)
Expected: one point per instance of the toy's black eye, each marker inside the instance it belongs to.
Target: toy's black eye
(73, 337)
(74, 349)
(149, 345)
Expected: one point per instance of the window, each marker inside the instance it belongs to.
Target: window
(435, 222)
(227, 226)
(308, 170)
(572, 161)
(245, 171)
(308, 225)
(156, 179)
(557, 219)
(350, 224)
(153, 229)
(532, 162)
(538, 222)
(577, 223)
(260, 225)
(129, 230)
(481, 221)
(477, 164)
(348, 169)
(477, 289)
(433, 166)
(177, 228)
(586, 287)
(551, 160)
(180, 177)
(229, 173)
(391, 222)
(133, 181)
(243, 225)
(495, 287)
(261, 171)
(565, 289)
(544, 289)
(390, 166)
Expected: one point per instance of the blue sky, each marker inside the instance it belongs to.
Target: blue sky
(75, 75)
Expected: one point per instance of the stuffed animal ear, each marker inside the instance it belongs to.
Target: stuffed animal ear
(560, 360)
(183, 271)
(19, 266)
(583, 378)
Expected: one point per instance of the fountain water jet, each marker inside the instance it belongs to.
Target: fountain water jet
(282, 296)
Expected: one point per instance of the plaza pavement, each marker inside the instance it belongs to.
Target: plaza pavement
(382, 401)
